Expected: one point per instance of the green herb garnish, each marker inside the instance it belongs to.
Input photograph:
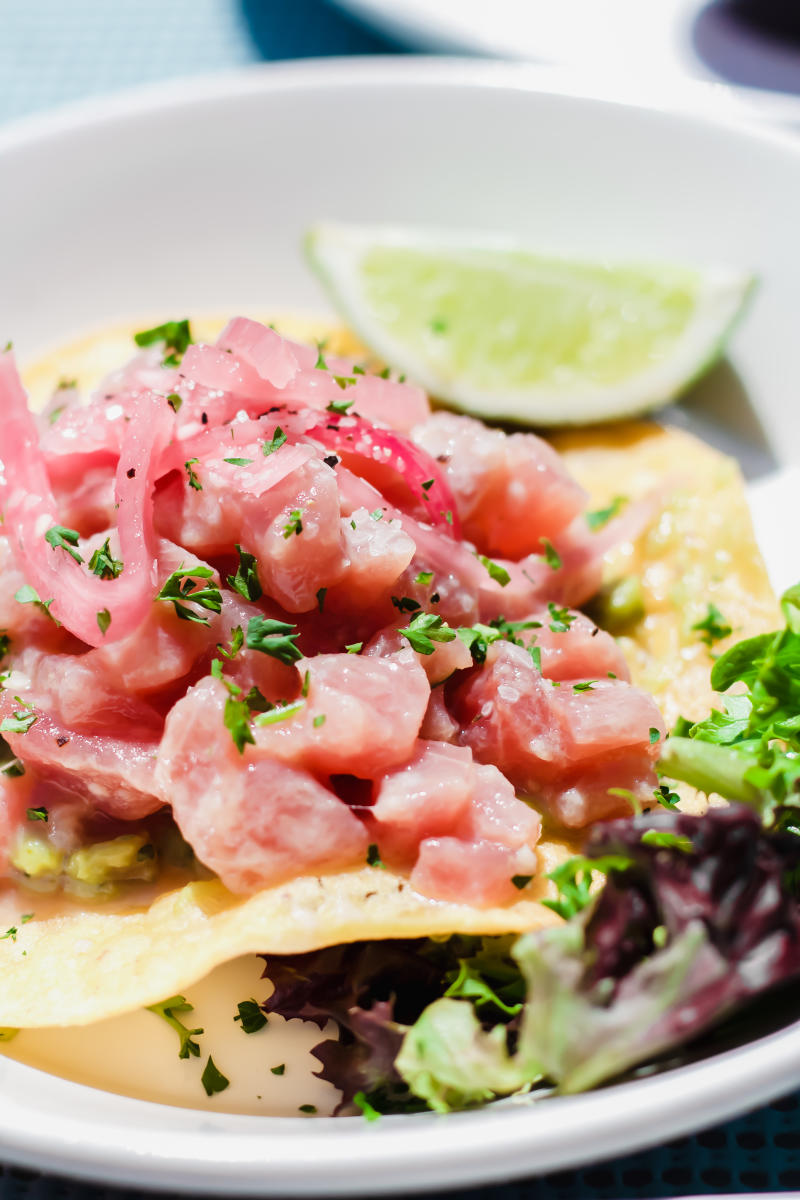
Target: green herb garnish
(246, 581)
(425, 629)
(212, 1078)
(104, 564)
(182, 586)
(251, 1016)
(176, 336)
(167, 1010)
(274, 638)
(64, 539)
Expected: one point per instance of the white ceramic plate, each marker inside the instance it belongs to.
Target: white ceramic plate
(194, 198)
(657, 42)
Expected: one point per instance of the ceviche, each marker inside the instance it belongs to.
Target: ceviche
(294, 665)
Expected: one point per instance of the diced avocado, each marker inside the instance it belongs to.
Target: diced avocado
(126, 857)
(36, 858)
(619, 604)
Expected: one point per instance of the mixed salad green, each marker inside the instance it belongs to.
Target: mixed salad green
(693, 917)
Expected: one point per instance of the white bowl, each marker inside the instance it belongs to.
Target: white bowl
(194, 197)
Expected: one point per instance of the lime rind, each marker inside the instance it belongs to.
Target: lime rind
(699, 309)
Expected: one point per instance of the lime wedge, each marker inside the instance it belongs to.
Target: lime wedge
(506, 332)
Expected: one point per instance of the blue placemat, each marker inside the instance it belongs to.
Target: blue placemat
(52, 51)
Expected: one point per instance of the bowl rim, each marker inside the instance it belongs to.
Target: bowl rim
(105, 1137)
(711, 103)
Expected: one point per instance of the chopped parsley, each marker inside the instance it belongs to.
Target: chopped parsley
(320, 364)
(175, 401)
(665, 797)
(194, 482)
(251, 1016)
(5, 645)
(374, 857)
(20, 720)
(424, 579)
(280, 712)
(246, 581)
(104, 564)
(477, 638)
(182, 585)
(279, 1070)
(307, 1108)
(274, 638)
(405, 604)
(586, 686)
(256, 701)
(176, 336)
(360, 1100)
(562, 618)
(212, 1078)
(236, 716)
(667, 840)
(655, 735)
(237, 721)
(238, 462)
(65, 539)
(319, 721)
(448, 516)
(425, 629)
(551, 555)
(713, 627)
(103, 621)
(37, 814)
(276, 441)
(28, 595)
(294, 524)
(235, 645)
(354, 647)
(167, 1010)
(496, 572)
(340, 406)
(601, 516)
(377, 514)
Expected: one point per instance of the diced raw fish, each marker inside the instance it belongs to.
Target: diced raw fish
(252, 819)
(546, 735)
(115, 773)
(291, 524)
(360, 715)
(511, 490)
(377, 553)
(475, 873)
(441, 800)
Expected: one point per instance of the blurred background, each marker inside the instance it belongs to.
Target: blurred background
(52, 51)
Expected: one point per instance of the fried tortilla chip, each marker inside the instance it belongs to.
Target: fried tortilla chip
(71, 964)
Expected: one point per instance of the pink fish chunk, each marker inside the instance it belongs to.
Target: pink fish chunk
(253, 820)
(550, 739)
